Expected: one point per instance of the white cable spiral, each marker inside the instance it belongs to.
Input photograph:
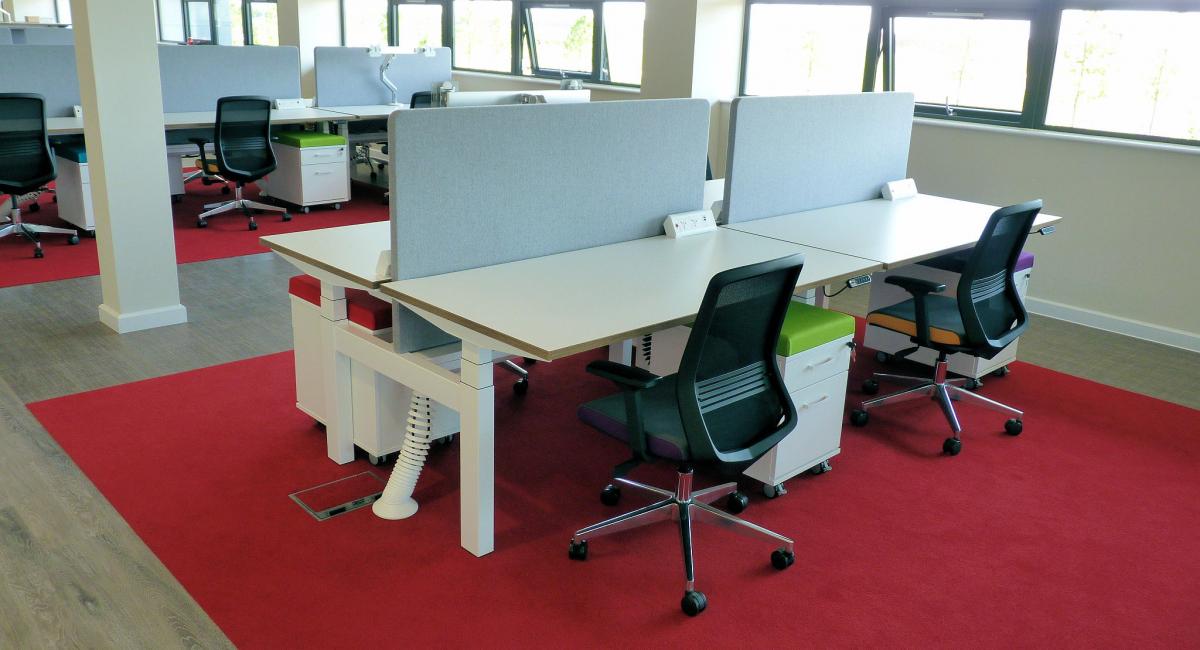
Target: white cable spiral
(397, 501)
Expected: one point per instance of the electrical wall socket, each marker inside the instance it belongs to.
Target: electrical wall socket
(685, 224)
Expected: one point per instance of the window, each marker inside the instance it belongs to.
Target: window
(794, 49)
(170, 21)
(624, 24)
(365, 22)
(199, 21)
(560, 39)
(262, 21)
(224, 22)
(1127, 71)
(417, 24)
(955, 61)
(483, 35)
(63, 9)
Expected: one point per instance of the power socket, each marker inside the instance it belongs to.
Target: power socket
(686, 224)
(858, 281)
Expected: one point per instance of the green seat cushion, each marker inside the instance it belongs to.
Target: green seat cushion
(308, 139)
(806, 327)
(73, 152)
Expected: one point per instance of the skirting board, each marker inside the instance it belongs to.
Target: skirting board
(1137, 329)
(142, 320)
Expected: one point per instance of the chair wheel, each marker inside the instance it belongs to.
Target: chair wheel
(883, 357)
(820, 468)
(610, 495)
(38, 253)
(693, 603)
(973, 384)
(206, 181)
(870, 387)
(781, 558)
(1013, 427)
(578, 550)
(858, 417)
(737, 503)
(253, 225)
(73, 240)
(1002, 371)
(225, 190)
(337, 206)
(176, 198)
(35, 207)
(521, 386)
(528, 361)
(287, 216)
(773, 491)
(952, 446)
(201, 223)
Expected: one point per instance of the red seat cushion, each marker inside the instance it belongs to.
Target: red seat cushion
(305, 287)
(361, 307)
(367, 310)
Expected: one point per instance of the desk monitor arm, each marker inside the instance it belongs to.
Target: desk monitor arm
(5, 17)
(377, 52)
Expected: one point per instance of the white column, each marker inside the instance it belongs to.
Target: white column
(307, 24)
(117, 57)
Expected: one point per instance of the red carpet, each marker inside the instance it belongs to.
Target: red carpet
(226, 236)
(1082, 532)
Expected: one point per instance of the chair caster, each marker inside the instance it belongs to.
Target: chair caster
(225, 190)
(1002, 371)
(521, 386)
(90, 234)
(206, 181)
(35, 207)
(952, 446)
(973, 384)
(528, 361)
(610, 495)
(176, 198)
(870, 387)
(693, 603)
(337, 206)
(38, 253)
(201, 223)
(781, 558)
(253, 225)
(73, 240)
(578, 550)
(446, 441)
(378, 460)
(858, 417)
(737, 503)
(820, 468)
(287, 216)
(883, 357)
(1013, 427)
(773, 491)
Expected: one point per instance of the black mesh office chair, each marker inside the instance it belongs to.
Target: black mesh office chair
(26, 164)
(242, 145)
(423, 99)
(727, 406)
(985, 316)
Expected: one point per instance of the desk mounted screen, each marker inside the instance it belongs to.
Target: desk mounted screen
(349, 76)
(194, 78)
(791, 154)
(47, 70)
(475, 187)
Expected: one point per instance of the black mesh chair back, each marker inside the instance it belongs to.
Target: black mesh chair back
(732, 400)
(992, 311)
(26, 162)
(243, 138)
(423, 99)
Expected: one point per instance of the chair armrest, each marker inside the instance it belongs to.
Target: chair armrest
(915, 285)
(623, 375)
(919, 289)
(198, 141)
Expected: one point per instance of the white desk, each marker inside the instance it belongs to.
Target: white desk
(206, 119)
(64, 125)
(893, 233)
(345, 256)
(367, 112)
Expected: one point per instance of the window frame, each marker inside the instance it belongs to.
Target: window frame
(520, 37)
(245, 19)
(1045, 22)
(248, 22)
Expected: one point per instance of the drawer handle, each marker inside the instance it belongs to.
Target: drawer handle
(321, 173)
(819, 363)
(814, 402)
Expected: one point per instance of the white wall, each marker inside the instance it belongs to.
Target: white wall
(41, 8)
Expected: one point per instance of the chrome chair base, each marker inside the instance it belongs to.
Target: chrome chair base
(238, 203)
(33, 231)
(943, 391)
(683, 506)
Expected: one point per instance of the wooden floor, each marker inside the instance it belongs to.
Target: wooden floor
(76, 575)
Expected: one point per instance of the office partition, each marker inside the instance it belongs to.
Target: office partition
(349, 76)
(48, 70)
(473, 187)
(193, 78)
(790, 154)
(44, 36)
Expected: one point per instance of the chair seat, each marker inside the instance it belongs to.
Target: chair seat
(362, 308)
(945, 322)
(660, 411)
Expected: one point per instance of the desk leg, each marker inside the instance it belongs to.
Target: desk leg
(339, 409)
(477, 451)
(175, 173)
(397, 501)
(621, 352)
(819, 297)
